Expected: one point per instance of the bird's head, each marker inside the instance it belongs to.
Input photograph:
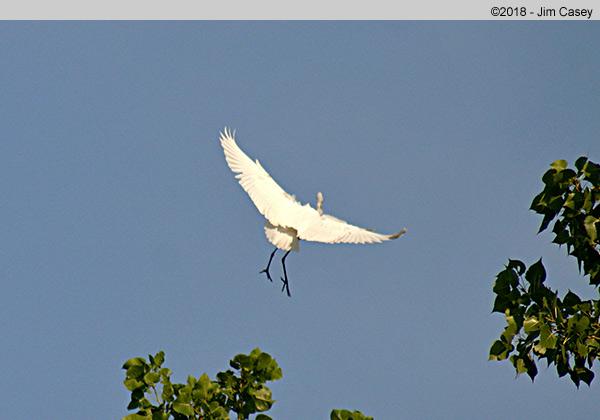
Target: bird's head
(320, 202)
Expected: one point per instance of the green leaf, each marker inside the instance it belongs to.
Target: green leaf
(562, 366)
(578, 323)
(185, 393)
(262, 404)
(241, 361)
(216, 412)
(203, 387)
(592, 173)
(587, 201)
(562, 233)
(191, 381)
(582, 349)
(559, 165)
(499, 350)
(540, 350)
(531, 368)
(159, 358)
(505, 281)
(536, 274)
(547, 339)
(519, 364)
(501, 303)
(590, 227)
(132, 384)
(136, 396)
(531, 324)
(137, 416)
(167, 392)
(137, 371)
(572, 200)
(523, 364)
(341, 414)
(546, 221)
(538, 204)
(263, 417)
(183, 408)
(511, 328)
(151, 378)
(586, 375)
(566, 176)
(580, 163)
(165, 374)
(571, 299)
(144, 403)
(136, 361)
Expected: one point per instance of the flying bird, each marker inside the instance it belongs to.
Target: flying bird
(288, 220)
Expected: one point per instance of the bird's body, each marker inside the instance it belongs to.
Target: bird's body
(288, 220)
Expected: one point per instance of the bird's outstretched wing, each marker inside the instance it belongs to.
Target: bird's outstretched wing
(332, 230)
(282, 209)
(279, 207)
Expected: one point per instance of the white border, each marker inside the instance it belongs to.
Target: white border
(283, 10)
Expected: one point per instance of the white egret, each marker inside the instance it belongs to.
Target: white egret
(288, 220)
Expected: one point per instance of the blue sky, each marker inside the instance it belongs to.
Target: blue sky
(125, 233)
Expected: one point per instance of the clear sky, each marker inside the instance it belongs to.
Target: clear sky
(125, 233)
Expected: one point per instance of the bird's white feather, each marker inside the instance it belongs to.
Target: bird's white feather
(332, 230)
(287, 218)
(282, 238)
(278, 207)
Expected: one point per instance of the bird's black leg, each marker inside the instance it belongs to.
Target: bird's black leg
(286, 285)
(266, 270)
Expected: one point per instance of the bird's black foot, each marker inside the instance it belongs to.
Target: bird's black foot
(266, 271)
(286, 286)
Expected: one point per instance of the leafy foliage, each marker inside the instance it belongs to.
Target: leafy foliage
(540, 324)
(241, 390)
(338, 414)
(573, 197)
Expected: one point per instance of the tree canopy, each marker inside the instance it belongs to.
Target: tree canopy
(541, 323)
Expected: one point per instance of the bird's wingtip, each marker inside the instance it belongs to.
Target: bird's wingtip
(399, 234)
(227, 134)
